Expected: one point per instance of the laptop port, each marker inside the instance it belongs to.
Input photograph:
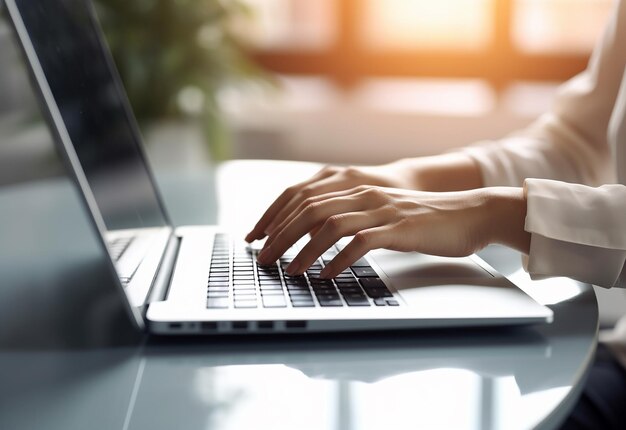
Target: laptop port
(208, 326)
(176, 326)
(295, 324)
(240, 325)
(265, 325)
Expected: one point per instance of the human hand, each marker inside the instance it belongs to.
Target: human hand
(329, 179)
(449, 224)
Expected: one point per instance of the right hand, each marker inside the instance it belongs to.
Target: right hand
(328, 180)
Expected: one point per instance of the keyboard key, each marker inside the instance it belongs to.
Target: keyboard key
(316, 281)
(268, 272)
(321, 297)
(300, 297)
(307, 304)
(218, 303)
(271, 293)
(217, 294)
(352, 293)
(244, 293)
(392, 302)
(350, 290)
(271, 287)
(244, 284)
(243, 272)
(274, 302)
(294, 293)
(248, 304)
(357, 301)
(218, 284)
(380, 302)
(378, 292)
(361, 262)
(325, 291)
(218, 288)
(270, 282)
(372, 283)
(364, 272)
(346, 281)
(330, 302)
(298, 283)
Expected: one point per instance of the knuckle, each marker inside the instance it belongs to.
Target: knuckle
(352, 171)
(391, 211)
(362, 239)
(362, 188)
(311, 210)
(308, 202)
(375, 193)
(307, 192)
(330, 169)
(333, 223)
(290, 191)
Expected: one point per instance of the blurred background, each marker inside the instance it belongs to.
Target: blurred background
(337, 81)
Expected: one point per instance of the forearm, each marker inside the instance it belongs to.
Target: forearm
(445, 172)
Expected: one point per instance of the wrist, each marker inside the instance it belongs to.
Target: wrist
(506, 217)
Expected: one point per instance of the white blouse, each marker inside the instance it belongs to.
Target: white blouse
(572, 164)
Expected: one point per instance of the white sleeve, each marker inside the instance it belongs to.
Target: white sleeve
(576, 231)
(570, 142)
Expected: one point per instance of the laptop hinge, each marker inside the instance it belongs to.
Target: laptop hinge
(163, 279)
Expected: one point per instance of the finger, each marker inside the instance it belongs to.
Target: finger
(258, 232)
(335, 227)
(311, 216)
(322, 187)
(363, 242)
(310, 201)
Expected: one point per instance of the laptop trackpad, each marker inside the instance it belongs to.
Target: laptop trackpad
(452, 287)
(402, 265)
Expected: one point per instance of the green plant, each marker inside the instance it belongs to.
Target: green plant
(174, 56)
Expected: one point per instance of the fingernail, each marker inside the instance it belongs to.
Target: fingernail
(293, 267)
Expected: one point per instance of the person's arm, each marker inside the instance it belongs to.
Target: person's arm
(576, 231)
(453, 171)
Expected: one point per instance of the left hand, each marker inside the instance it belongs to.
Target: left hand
(449, 224)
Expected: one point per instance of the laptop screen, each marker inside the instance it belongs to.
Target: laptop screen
(93, 106)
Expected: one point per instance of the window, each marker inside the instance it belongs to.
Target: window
(501, 41)
(400, 24)
(554, 26)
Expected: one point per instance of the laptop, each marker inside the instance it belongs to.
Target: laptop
(201, 279)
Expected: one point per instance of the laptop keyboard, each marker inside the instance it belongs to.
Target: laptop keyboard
(237, 281)
(117, 246)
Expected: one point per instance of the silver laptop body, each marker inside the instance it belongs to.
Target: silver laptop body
(166, 274)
